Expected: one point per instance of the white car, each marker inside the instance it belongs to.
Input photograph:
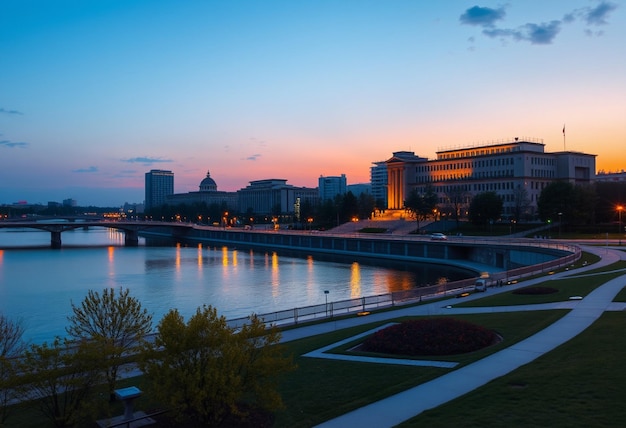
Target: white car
(438, 237)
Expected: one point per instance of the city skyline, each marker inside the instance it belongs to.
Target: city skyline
(95, 94)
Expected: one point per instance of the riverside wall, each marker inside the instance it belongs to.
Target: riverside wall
(476, 254)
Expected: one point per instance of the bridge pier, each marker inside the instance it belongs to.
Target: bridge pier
(55, 239)
(131, 238)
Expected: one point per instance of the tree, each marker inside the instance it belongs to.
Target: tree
(522, 203)
(485, 208)
(61, 379)
(457, 197)
(11, 346)
(367, 205)
(555, 198)
(421, 205)
(114, 324)
(204, 369)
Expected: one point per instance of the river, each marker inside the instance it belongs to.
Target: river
(38, 284)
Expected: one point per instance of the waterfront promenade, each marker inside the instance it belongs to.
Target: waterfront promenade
(403, 406)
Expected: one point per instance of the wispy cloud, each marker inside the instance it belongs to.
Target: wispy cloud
(253, 157)
(7, 143)
(5, 111)
(536, 33)
(88, 169)
(144, 160)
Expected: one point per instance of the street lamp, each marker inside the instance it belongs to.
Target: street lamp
(560, 217)
(620, 208)
(326, 294)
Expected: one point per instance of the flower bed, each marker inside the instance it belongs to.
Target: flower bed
(432, 336)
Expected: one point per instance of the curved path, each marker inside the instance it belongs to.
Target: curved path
(405, 405)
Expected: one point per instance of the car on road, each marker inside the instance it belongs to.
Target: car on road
(438, 237)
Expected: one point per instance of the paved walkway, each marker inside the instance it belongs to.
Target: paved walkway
(405, 405)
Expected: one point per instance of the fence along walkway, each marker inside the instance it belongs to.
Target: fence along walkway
(368, 303)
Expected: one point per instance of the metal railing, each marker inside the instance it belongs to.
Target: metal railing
(368, 303)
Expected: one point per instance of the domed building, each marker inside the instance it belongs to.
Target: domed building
(208, 184)
(207, 193)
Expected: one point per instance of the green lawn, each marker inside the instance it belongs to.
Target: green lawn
(582, 383)
(321, 389)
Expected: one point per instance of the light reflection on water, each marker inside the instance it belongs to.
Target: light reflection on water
(37, 284)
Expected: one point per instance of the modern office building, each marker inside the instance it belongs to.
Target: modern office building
(274, 196)
(516, 170)
(378, 180)
(359, 189)
(329, 187)
(159, 185)
(207, 194)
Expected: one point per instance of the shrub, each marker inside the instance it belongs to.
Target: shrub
(431, 336)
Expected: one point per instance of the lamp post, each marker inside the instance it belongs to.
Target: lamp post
(326, 294)
(620, 208)
(560, 217)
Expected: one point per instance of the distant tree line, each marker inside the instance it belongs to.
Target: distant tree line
(325, 214)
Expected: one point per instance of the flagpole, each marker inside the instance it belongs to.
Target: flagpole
(564, 149)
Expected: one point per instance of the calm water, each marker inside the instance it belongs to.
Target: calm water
(37, 284)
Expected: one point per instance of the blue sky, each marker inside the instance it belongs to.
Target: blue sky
(95, 93)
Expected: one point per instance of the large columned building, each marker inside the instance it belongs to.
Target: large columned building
(516, 170)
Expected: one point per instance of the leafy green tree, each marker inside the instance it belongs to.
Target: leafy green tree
(11, 346)
(421, 205)
(555, 198)
(485, 208)
(115, 325)
(204, 369)
(61, 377)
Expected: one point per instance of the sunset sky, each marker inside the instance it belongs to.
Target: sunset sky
(93, 94)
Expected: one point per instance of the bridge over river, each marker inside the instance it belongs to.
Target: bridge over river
(131, 229)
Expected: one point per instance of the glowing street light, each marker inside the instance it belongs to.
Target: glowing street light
(620, 208)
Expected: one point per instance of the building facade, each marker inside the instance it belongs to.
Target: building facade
(378, 180)
(517, 171)
(274, 196)
(207, 194)
(329, 187)
(611, 177)
(159, 185)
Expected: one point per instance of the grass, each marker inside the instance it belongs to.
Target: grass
(321, 389)
(567, 287)
(580, 384)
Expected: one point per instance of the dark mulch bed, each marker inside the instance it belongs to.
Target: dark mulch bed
(432, 336)
(535, 290)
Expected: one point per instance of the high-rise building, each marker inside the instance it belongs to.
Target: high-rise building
(329, 187)
(159, 185)
(378, 180)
